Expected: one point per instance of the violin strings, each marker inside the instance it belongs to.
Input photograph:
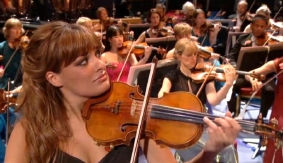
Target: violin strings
(194, 116)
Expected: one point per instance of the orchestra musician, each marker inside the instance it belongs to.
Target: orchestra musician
(204, 30)
(258, 26)
(162, 11)
(269, 67)
(116, 61)
(264, 11)
(11, 51)
(61, 80)
(86, 22)
(241, 16)
(188, 9)
(155, 26)
(184, 30)
(180, 79)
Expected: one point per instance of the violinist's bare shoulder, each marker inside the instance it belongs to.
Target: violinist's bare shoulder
(17, 139)
(170, 54)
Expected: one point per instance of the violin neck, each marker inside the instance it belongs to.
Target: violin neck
(142, 47)
(221, 70)
(189, 116)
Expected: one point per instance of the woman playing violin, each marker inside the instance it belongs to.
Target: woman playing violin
(104, 20)
(57, 83)
(205, 31)
(115, 61)
(272, 66)
(156, 25)
(86, 22)
(13, 31)
(181, 79)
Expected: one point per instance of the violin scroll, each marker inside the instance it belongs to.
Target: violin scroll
(259, 77)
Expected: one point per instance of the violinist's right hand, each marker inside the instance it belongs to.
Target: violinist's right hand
(1, 72)
(281, 66)
(256, 85)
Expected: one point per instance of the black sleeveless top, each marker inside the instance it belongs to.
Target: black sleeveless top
(179, 82)
(121, 154)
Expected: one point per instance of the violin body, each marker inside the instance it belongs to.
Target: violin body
(113, 118)
(4, 101)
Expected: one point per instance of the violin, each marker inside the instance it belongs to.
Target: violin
(138, 49)
(21, 42)
(202, 69)
(6, 99)
(112, 118)
(161, 30)
(266, 39)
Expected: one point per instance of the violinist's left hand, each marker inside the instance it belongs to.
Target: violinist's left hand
(230, 74)
(214, 56)
(222, 134)
(217, 27)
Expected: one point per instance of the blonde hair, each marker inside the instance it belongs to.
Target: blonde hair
(44, 114)
(185, 44)
(11, 23)
(188, 6)
(182, 29)
(264, 9)
(83, 21)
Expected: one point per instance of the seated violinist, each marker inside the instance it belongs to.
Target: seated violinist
(258, 26)
(182, 79)
(241, 16)
(86, 22)
(274, 66)
(162, 11)
(204, 30)
(155, 28)
(264, 11)
(184, 30)
(116, 57)
(60, 93)
(188, 9)
(105, 21)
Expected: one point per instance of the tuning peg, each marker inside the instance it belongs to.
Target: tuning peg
(274, 122)
(96, 143)
(111, 146)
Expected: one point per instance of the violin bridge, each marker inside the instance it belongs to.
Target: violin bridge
(134, 107)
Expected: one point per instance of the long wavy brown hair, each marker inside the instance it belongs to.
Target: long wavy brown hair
(44, 115)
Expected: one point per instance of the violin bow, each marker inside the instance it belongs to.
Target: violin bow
(277, 13)
(202, 85)
(143, 113)
(126, 60)
(242, 113)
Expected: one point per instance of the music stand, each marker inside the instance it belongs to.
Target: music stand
(139, 74)
(230, 40)
(276, 51)
(251, 58)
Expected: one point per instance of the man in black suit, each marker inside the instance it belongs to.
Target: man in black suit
(258, 26)
(240, 21)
